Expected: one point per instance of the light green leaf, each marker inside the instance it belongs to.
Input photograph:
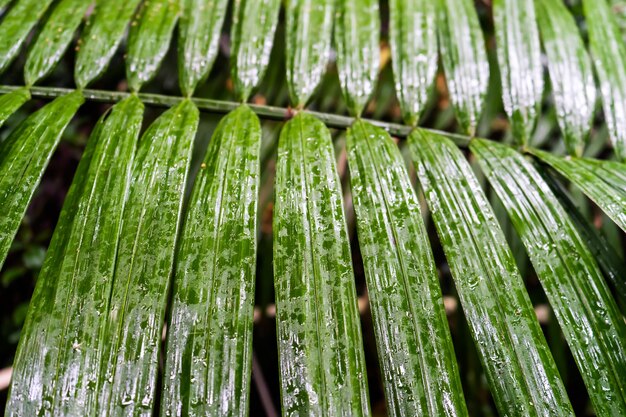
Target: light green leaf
(413, 42)
(357, 32)
(11, 102)
(252, 36)
(418, 364)
(308, 30)
(571, 73)
(213, 302)
(54, 39)
(105, 29)
(464, 60)
(149, 39)
(132, 337)
(571, 278)
(24, 156)
(319, 334)
(519, 56)
(609, 54)
(521, 372)
(61, 340)
(604, 182)
(198, 42)
(16, 26)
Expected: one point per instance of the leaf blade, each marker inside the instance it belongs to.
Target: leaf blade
(24, 156)
(572, 280)
(410, 323)
(523, 377)
(216, 264)
(319, 338)
(60, 343)
(11, 102)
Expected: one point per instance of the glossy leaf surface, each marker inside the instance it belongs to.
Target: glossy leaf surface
(521, 372)
(415, 349)
(102, 35)
(319, 334)
(11, 102)
(209, 350)
(58, 360)
(609, 54)
(16, 25)
(464, 59)
(571, 278)
(132, 337)
(519, 56)
(24, 156)
(413, 42)
(357, 31)
(252, 36)
(308, 30)
(604, 182)
(198, 43)
(149, 39)
(571, 72)
(54, 39)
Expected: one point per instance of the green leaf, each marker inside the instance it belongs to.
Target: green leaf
(11, 102)
(320, 349)
(604, 182)
(24, 156)
(413, 41)
(198, 42)
(308, 30)
(105, 29)
(609, 54)
(252, 36)
(571, 278)
(521, 372)
(357, 32)
(519, 56)
(16, 25)
(54, 39)
(610, 261)
(132, 338)
(464, 60)
(571, 73)
(418, 364)
(213, 302)
(149, 39)
(61, 341)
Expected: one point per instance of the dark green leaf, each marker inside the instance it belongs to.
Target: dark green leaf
(198, 43)
(319, 335)
(252, 37)
(413, 41)
(519, 56)
(209, 350)
(609, 54)
(11, 102)
(571, 73)
(602, 181)
(464, 59)
(100, 39)
(24, 156)
(149, 39)
(58, 359)
(132, 337)
(16, 26)
(54, 39)
(521, 372)
(417, 358)
(357, 32)
(581, 300)
(308, 33)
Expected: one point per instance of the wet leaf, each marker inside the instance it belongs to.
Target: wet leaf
(11, 102)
